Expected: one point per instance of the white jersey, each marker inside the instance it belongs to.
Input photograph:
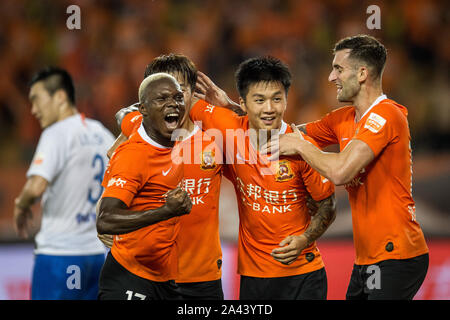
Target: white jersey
(71, 156)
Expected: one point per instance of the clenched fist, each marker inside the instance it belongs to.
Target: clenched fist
(178, 202)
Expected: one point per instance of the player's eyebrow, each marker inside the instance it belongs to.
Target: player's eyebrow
(161, 94)
(263, 95)
(166, 94)
(32, 97)
(258, 95)
(337, 66)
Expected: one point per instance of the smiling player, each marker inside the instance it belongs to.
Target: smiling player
(277, 254)
(375, 166)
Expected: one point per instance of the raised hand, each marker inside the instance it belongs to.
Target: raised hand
(207, 90)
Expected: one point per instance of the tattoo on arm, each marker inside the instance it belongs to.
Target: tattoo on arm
(326, 213)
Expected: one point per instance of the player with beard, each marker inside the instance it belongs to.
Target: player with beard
(375, 166)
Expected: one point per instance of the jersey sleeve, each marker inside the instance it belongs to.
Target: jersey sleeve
(208, 117)
(322, 131)
(381, 127)
(50, 156)
(126, 174)
(309, 139)
(318, 186)
(131, 122)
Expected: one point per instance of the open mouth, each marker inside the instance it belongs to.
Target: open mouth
(268, 120)
(339, 88)
(171, 120)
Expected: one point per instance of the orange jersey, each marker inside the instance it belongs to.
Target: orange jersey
(140, 173)
(198, 242)
(271, 196)
(383, 211)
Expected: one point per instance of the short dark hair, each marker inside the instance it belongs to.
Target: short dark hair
(262, 69)
(172, 63)
(367, 49)
(54, 79)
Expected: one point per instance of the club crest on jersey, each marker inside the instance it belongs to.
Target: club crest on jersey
(208, 160)
(284, 171)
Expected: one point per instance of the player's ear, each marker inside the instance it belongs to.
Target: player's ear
(242, 103)
(60, 96)
(363, 74)
(142, 109)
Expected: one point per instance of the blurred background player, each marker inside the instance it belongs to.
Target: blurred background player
(66, 170)
(200, 255)
(143, 200)
(277, 253)
(375, 166)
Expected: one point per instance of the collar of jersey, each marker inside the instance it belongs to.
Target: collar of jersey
(377, 101)
(146, 138)
(283, 127)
